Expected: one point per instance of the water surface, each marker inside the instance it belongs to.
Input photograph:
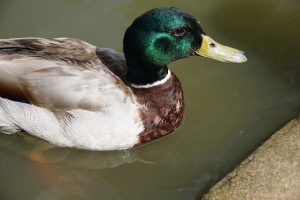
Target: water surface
(230, 109)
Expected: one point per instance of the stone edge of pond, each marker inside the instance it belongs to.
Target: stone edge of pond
(271, 172)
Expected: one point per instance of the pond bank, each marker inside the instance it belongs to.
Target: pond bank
(271, 172)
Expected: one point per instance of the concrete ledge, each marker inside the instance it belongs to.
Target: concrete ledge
(271, 172)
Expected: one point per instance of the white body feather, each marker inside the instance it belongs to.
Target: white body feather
(108, 130)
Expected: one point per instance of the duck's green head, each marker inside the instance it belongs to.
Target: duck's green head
(163, 35)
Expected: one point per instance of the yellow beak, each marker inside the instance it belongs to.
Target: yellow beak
(211, 49)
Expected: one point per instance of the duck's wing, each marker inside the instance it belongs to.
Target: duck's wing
(58, 74)
(113, 60)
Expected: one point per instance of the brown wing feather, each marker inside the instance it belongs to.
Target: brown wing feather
(70, 50)
(66, 51)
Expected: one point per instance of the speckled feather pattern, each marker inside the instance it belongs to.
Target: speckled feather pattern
(163, 109)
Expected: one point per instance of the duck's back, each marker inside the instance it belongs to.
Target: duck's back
(64, 81)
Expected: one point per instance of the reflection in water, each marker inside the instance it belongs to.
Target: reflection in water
(230, 109)
(46, 154)
(82, 166)
(83, 169)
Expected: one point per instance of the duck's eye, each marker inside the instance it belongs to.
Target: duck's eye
(179, 31)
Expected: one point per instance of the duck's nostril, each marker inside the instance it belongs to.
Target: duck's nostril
(212, 45)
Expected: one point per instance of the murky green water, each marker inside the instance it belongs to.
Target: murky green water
(230, 109)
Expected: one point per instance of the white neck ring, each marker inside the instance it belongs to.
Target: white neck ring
(156, 83)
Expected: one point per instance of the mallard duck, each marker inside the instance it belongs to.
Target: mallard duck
(73, 94)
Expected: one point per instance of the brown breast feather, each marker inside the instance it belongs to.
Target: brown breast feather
(164, 108)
